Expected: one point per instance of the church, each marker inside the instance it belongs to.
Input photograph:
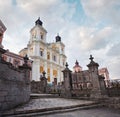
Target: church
(80, 76)
(48, 57)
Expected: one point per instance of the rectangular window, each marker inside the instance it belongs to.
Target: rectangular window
(10, 60)
(16, 62)
(48, 55)
(55, 73)
(41, 36)
(54, 58)
(48, 70)
(41, 52)
(41, 69)
(48, 78)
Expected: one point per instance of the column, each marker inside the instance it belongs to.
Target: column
(51, 56)
(36, 49)
(59, 75)
(45, 53)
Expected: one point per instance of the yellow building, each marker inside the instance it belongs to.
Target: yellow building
(48, 57)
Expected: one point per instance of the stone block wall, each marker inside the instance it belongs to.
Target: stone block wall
(14, 86)
(113, 102)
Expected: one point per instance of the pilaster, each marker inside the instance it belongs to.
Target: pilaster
(36, 70)
(45, 66)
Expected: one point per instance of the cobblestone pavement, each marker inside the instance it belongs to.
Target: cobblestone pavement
(43, 103)
(96, 112)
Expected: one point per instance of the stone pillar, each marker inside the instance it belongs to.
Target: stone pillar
(26, 69)
(67, 82)
(93, 70)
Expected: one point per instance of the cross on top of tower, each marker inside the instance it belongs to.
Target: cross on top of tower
(91, 58)
(66, 65)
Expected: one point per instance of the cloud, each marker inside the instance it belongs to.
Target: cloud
(114, 64)
(114, 50)
(105, 10)
(90, 38)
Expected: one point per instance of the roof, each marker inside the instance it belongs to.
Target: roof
(77, 64)
(8, 53)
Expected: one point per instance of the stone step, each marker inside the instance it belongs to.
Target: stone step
(52, 110)
(36, 95)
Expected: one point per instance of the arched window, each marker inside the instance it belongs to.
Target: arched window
(48, 55)
(41, 69)
(48, 78)
(41, 52)
(41, 35)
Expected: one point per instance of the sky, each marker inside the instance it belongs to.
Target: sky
(85, 26)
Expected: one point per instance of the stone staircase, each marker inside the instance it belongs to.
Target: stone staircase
(43, 104)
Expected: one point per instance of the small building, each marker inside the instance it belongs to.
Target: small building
(15, 59)
(104, 72)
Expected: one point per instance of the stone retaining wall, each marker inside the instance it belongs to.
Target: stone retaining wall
(113, 102)
(14, 86)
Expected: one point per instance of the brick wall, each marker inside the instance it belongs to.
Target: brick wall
(14, 86)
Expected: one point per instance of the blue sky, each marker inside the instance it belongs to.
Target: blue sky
(85, 26)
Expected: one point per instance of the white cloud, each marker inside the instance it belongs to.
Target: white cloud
(114, 63)
(89, 38)
(114, 50)
(107, 10)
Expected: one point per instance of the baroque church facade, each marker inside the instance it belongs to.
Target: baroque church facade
(48, 57)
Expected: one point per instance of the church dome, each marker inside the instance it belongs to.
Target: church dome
(38, 22)
(77, 67)
(58, 38)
